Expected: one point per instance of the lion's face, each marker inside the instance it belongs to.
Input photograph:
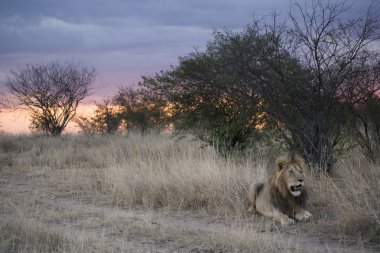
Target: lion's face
(294, 179)
(288, 176)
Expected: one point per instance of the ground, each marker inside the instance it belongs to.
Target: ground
(42, 215)
(99, 226)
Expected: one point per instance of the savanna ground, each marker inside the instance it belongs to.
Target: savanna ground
(156, 194)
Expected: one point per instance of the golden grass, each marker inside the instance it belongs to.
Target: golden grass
(349, 200)
(181, 179)
(179, 176)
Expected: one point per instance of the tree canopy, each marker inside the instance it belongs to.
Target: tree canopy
(304, 78)
(51, 92)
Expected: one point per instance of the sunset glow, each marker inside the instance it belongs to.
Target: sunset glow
(17, 121)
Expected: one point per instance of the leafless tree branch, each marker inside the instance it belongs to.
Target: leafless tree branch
(51, 92)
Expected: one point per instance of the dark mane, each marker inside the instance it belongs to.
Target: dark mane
(280, 196)
(286, 203)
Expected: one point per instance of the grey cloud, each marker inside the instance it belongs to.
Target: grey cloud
(90, 25)
(142, 13)
(138, 35)
(47, 29)
(168, 12)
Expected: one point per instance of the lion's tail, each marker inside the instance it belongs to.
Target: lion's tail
(254, 191)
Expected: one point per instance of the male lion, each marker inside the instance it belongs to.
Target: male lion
(283, 197)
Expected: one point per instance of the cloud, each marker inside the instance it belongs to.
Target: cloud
(51, 34)
(134, 36)
(58, 25)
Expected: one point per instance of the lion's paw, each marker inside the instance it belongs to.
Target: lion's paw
(287, 222)
(304, 216)
(307, 215)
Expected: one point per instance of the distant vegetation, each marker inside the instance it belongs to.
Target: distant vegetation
(311, 85)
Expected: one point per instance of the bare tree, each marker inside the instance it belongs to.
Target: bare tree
(367, 128)
(3, 102)
(51, 92)
(333, 68)
(342, 70)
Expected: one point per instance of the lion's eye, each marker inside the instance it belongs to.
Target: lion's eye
(291, 172)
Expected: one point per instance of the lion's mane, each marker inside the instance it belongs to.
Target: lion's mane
(280, 196)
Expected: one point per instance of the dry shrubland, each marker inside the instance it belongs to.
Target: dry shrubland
(158, 174)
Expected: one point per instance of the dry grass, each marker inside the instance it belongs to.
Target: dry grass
(349, 200)
(139, 194)
(179, 176)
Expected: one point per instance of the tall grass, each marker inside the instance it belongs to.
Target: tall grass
(182, 175)
(156, 171)
(349, 200)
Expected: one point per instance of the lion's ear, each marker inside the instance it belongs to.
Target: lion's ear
(281, 163)
(298, 160)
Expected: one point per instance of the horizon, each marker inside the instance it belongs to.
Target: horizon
(16, 121)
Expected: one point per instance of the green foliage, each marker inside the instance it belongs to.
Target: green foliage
(301, 79)
(106, 120)
(137, 111)
(130, 110)
(209, 99)
(45, 123)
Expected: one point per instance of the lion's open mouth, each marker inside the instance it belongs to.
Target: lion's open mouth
(296, 190)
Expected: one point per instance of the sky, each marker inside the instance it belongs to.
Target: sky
(122, 39)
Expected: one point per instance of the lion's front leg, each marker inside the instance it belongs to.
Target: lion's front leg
(302, 215)
(272, 212)
(264, 207)
(282, 218)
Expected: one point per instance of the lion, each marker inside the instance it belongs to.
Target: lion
(284, 196)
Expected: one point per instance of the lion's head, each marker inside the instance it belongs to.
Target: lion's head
(288, 179)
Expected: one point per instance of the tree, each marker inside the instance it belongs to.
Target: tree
(211, 97)
(51, 92)
(339, 71)
(3, 103)
(137, 110)
(367, 128)
(305, 78)
(107, 119)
